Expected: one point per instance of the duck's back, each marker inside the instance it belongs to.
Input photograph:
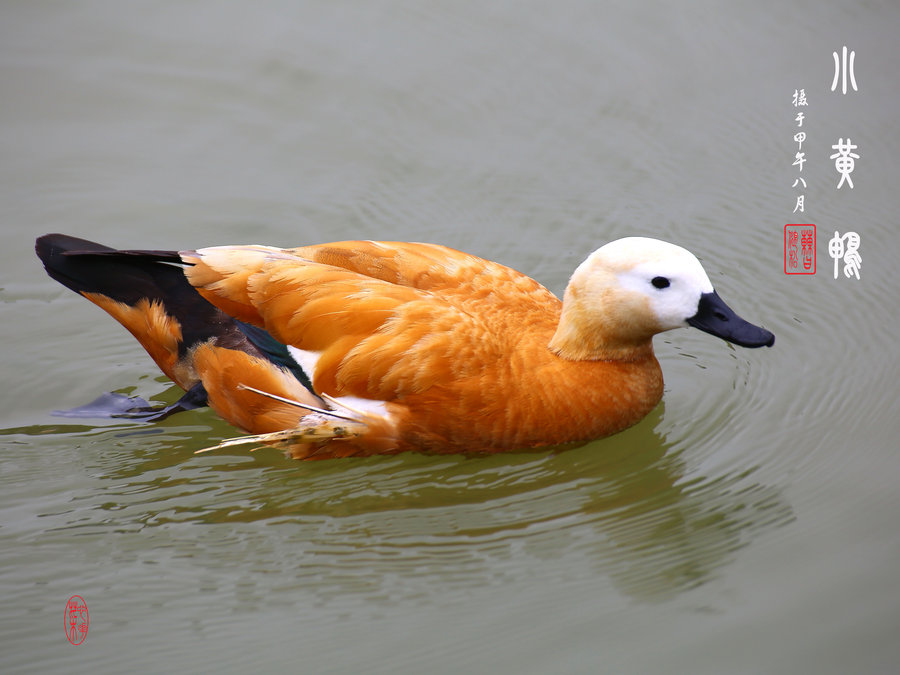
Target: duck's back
(378, 320)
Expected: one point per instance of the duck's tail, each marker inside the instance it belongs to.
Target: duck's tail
(146, 292)
(198, 346)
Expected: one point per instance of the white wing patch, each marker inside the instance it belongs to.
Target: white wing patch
(307, 360)
(357, 407)
(361, 407)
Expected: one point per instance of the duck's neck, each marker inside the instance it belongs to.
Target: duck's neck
(595, 336)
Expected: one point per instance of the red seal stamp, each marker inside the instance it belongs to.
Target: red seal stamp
(76, 620)
(800, 249)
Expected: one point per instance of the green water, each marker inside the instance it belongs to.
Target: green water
(748, 525)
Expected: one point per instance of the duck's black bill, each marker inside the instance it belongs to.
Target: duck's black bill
(716, 318)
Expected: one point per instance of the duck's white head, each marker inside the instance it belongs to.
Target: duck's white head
(631, 289)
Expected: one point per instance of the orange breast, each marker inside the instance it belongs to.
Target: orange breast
(535, 399)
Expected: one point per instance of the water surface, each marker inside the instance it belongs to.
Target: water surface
(749, 524)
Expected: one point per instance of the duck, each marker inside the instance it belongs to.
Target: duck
(359, 348)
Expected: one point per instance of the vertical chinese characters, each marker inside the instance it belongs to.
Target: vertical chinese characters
(799, 157)
(800, 239)
(845, 247)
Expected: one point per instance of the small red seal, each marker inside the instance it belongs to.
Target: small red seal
(800, 249)
(76, 620)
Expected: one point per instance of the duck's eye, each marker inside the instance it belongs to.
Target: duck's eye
(660, 282)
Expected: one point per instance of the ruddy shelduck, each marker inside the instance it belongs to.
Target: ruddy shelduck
(365, 347)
